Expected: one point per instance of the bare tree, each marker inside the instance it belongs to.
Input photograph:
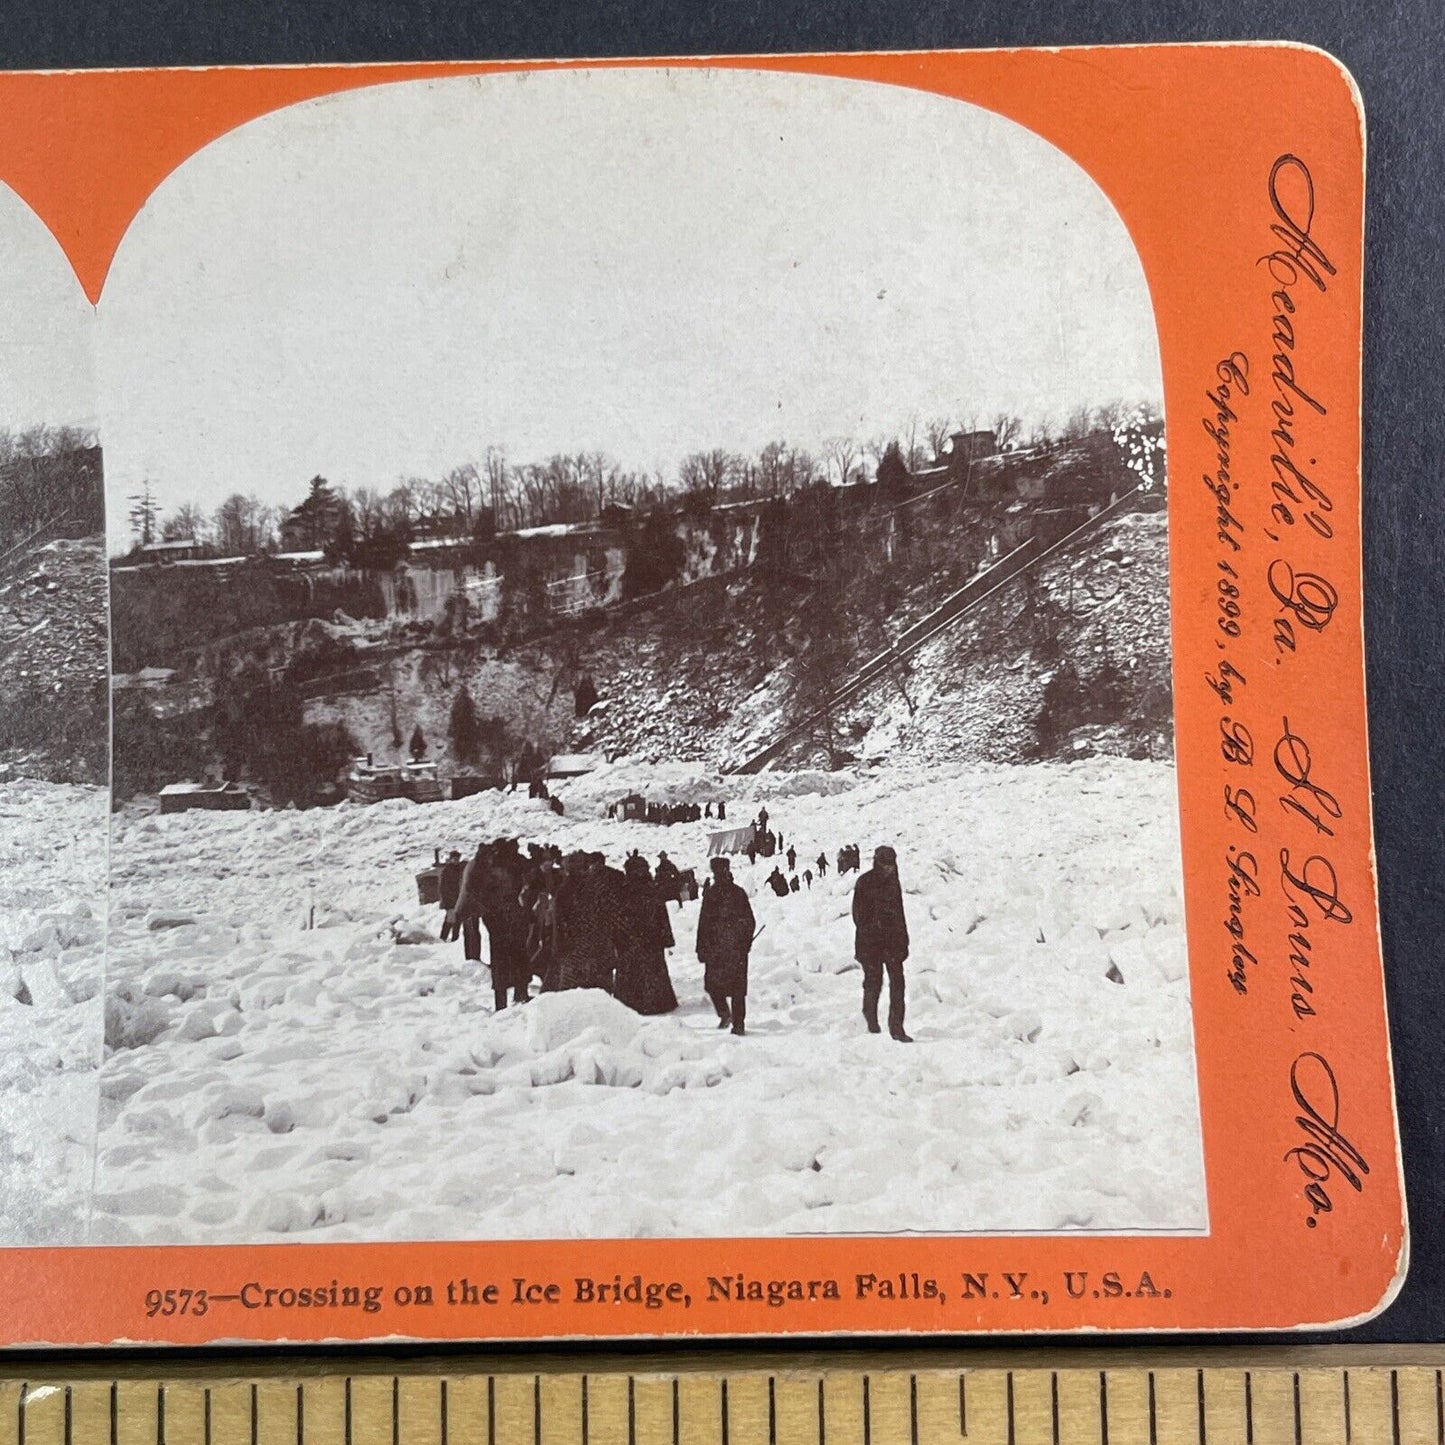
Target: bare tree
(1079, 424)
(772, 472)
(403, 505)
(239, 529)
(598, 473)
(370, 509)
(499, 486)
(462, 487)
(1111, 415)
(841, 453)
(186, 522)
(938, 429)
(1005, 430)
(532, 497)
(910, 442)
(876, 447)
(708, 472)
(1041, 434)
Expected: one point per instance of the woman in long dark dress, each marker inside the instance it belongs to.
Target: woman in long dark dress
(586, 924)
(643, 937)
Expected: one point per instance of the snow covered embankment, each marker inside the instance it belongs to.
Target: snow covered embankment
(52, 901)
(270, 1080)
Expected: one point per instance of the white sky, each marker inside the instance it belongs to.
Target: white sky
(642, 262)
(47, 375)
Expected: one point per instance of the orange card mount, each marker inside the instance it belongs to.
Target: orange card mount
(803, 531)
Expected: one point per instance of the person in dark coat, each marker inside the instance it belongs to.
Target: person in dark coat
(881, 940)
(469, 904)
(450, 888)
(643, 937)
(724, 941)
(792, 860)
(505, 916)
(540, 903)
(822, 861)
(668, 879)
(778, 883)
(586, 951)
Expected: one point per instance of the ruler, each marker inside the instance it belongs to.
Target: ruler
(1159, 1396)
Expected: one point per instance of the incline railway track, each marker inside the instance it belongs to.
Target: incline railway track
(978, 590)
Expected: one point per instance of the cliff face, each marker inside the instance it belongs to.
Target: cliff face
(1066, 662)
(1068, 659)
(164, 614)
(54, 702)
(1071, 661)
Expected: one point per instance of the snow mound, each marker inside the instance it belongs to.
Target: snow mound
(804, 784)
(554, 1020)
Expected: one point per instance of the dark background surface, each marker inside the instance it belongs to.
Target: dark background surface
(1396, 51)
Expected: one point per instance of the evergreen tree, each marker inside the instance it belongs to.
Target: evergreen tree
(418, 744)
(892, 469)
(464, 728)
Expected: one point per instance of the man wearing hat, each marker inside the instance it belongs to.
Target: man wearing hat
(450, 886)
(881, 939)
(724, 940)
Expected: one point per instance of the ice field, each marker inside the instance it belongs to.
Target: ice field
(52, 912)
(294, 1054)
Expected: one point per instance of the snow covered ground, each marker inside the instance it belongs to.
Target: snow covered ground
(52, 910)
(293, 1054)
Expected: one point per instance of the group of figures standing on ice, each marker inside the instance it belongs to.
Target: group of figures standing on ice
(574, 921)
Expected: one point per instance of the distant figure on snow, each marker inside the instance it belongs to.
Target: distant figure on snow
(669, 879)
(792, 860)
(724, 941)
(778, 883)
(881, 941)
(822, 861)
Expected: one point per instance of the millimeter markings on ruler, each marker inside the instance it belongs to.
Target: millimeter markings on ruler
(1317, 1396)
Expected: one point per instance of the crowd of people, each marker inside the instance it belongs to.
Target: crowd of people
(573, 921)
(646, 811)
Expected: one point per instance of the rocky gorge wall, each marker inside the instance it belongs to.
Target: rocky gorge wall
(161, 612)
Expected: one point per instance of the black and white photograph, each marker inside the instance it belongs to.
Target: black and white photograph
(640, 679)
(54, 738)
